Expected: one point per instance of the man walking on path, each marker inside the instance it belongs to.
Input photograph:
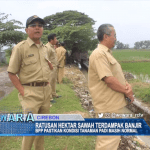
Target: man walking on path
(52, 40)
(107, 84)
(29, 61)
(61, 51)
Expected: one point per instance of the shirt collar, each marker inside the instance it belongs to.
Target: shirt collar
(104, 48)
(51, 45)
(30, 42)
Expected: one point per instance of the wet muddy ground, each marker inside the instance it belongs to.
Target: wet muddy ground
(6, 85)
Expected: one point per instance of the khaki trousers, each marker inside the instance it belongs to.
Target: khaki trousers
(110, 142)
(36, 99)
(53, 80)
(60, 74)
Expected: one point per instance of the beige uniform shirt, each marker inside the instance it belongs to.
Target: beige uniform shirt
(28, 61)
(52, 54)
(101, 64)
(60, 51)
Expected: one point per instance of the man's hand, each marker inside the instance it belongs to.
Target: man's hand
(50, 65)
(16, 82)
(128, 86)
(129, 92)
(21, 91)
(115, 85)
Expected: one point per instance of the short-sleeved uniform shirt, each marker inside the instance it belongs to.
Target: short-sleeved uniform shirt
(28, 60)
(103, 64)
(60, 51)
(52, 54)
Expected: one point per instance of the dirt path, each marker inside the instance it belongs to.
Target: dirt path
(6, 86)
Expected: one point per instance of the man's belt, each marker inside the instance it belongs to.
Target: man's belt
(37, 84)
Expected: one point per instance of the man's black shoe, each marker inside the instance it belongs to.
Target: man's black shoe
(53, 101)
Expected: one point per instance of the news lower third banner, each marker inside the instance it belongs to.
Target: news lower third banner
(69, 125)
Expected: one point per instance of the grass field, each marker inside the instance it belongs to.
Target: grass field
(137, 68)
(131, 55)
(68, 103)
(134, 61)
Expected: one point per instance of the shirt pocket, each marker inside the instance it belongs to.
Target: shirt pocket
(29, 64)
(114, 66)
(112, 61)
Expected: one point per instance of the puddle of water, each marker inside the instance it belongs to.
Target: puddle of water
(144, 78)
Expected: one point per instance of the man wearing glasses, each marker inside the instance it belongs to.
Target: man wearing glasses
(107, 84)
(29, 61)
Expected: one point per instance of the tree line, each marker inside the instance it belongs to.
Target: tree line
(70, 27)
(137, 45)
(120, 45)
(142, 45)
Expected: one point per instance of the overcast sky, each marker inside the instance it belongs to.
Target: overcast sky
(131, 19)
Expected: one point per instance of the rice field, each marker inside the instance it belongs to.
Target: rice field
(138, 63)
(134, 61)
(132, 55)
(137, 67)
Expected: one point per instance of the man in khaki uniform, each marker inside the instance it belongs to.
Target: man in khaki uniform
(107, 84)
(56, 45)
(29, 61)
(52, 40)
(61, 51)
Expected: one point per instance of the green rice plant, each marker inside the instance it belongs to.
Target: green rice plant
(137, 68)
(142, 93)
(132, 55)
(141, 89)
